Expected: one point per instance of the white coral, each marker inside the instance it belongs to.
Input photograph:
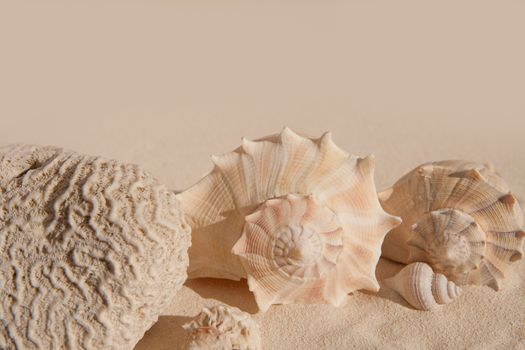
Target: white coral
(91, 250)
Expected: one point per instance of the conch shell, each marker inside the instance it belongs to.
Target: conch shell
(422, 288)
(300, 216)
(459, 217)
(223, 327)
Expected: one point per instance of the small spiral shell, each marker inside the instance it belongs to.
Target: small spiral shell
(223, 327)
(422, 288)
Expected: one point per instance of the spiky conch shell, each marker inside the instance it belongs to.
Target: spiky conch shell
(459, 217)
(223, 327)
(422, 288)
(329, 193)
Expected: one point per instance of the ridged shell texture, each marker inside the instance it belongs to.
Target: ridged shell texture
(422, 288)
(300, 215)
(458, 216)
(221, 328)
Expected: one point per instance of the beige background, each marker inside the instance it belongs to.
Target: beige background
(166, 84)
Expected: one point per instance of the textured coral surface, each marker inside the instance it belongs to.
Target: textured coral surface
(91, 250)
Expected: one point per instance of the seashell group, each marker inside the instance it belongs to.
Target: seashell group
(460, 217)
(422, 288)
(223, 327)
(298, 217)
(91, 250)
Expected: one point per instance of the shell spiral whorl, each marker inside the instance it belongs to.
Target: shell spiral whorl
(450, 240)
(297, 242)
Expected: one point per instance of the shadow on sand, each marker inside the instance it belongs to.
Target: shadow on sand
(385, 269)
(233, 293)
(166, 334)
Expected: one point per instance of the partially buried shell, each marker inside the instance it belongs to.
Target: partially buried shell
(222, 328)
(91, 250)
(459, 217)
(422, 288)
(300, 215)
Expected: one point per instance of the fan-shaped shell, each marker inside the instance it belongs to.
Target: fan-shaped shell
(223, 327)
(422, 288)
(458, 216)
(335, 187)
(91, 250)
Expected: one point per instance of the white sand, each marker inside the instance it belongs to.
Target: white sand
(166, 85)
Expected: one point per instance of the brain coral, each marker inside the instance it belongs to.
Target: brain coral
(91, 250)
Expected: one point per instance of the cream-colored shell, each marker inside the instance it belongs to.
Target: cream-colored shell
(422, 288)
(294, 249)
(459, 217)
(222, 328)
(91, 250)
(303, 181)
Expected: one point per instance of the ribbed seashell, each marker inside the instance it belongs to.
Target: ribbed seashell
(311, 223)
(91, 250)
(459, 217)
(221, 328)
(422, 288)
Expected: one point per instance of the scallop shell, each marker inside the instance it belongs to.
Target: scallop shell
(459, 217)
(223, 327)
(422, 288)
(92, 250)
(301, 215)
